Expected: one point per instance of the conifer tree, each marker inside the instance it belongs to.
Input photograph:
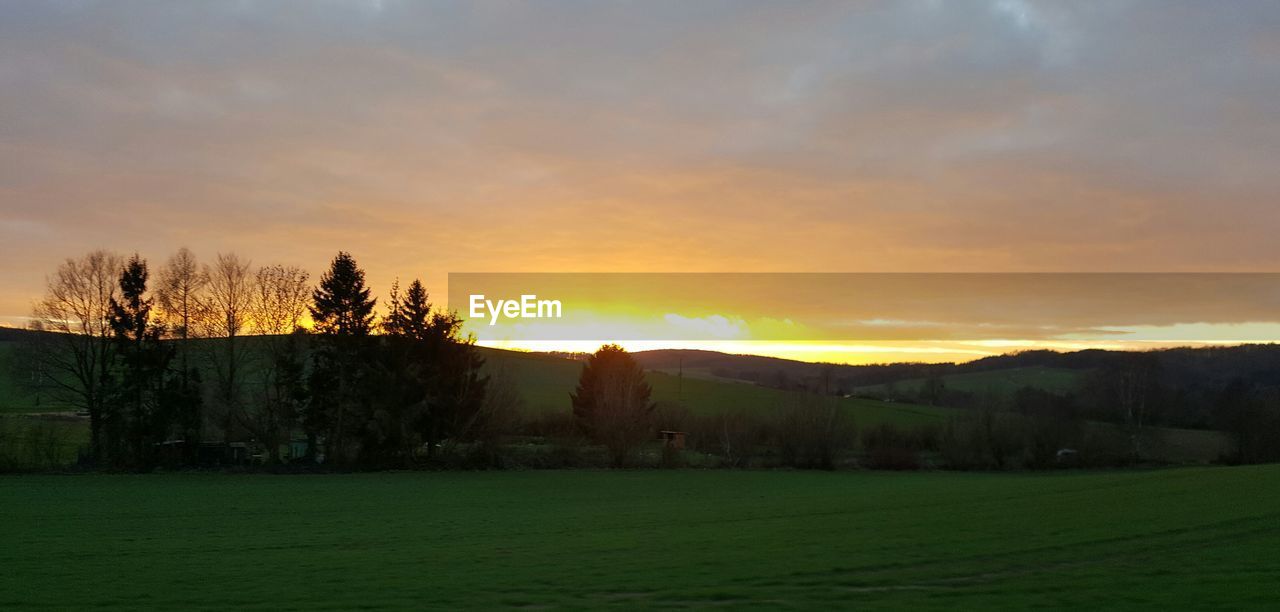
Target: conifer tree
(137, 414)
(342, 313)
(611, 403)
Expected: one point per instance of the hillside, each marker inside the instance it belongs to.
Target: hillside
(998, 382)
(545, 383)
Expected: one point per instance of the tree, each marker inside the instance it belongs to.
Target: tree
(932, 390)
(137, 411)
(180, 298)
(225, 313)
(341, 305)
(342, 313)
(1136, 385)
(180, 294)
(813, 430)
(77, 307)
(409, 316)
(433, 388)
(278, 303)
(611, 403)
(1251, 416)
(279, 299)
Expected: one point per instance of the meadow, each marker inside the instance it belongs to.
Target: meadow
(1192, 538)
(544, 382)
(1003, 382)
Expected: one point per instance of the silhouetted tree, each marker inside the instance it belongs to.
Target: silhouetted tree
(341, 306)
(79, 356)
(280, 296)
(435, 388)
(225, 313)
(611, 403)
(342, 313)
(137, 413)
(409, 316)
(180, 298)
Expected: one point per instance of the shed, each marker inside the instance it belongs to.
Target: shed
(673, 439)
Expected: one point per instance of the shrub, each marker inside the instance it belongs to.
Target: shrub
(985, 440)
(813, 431)
(888, 447)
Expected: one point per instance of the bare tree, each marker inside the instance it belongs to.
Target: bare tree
(77, 306)
(813, 430)
(1136, 380)
(225, 313)
(280, 296)
(180, 293)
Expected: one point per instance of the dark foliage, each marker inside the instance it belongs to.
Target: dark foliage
(611, 403)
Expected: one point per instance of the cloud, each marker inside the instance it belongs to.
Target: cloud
(429, 137)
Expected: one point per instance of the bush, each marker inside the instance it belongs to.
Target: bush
(735, 436)
(813, 431)
(887, 447)
(982, 441)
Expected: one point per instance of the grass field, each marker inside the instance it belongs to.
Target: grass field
(1194, 538)
(15, 397)
(545, 382)
(1000, 382)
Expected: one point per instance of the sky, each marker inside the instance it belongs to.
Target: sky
(429, 138)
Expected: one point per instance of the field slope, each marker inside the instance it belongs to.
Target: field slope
(999, 382)
(545, 382)
(1183, 539)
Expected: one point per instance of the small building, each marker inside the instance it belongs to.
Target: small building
(673, 439)
(216, 454)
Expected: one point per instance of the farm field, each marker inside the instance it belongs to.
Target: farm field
(1191, 538)
(16, 397)
(1001, 382)
(545, 383)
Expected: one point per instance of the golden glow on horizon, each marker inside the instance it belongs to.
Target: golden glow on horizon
(849, 354)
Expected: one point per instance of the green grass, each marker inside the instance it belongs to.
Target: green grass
(14, 396)
(39, 442)
(1174, 539)
(999, 382)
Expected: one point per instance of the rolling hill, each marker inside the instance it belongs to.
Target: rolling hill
(1000, 382)
(545, 383)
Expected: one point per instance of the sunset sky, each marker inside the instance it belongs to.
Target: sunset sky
(429, 138)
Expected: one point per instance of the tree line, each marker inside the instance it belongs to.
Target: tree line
(189, 363)
(183, 365)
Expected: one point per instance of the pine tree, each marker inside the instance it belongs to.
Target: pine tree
(138, 415)
(410, 316)
(341, 305)
(342, 312)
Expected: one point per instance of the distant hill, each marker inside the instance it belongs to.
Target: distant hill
(1207, 366)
